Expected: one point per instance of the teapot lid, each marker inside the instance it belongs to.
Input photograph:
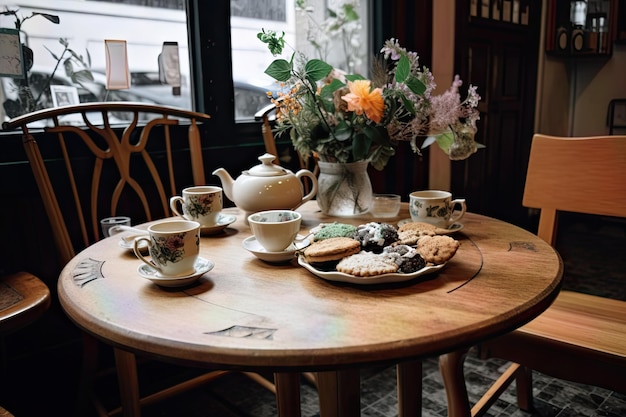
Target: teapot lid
(266, 168)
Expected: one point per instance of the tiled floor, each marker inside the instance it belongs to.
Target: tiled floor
(46, 384)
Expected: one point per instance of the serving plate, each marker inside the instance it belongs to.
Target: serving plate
(376, 279)
(202, 266)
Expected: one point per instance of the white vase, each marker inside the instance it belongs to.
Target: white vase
(344, 189)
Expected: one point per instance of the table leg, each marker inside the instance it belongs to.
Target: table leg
(339, 393)
(287, 394)
(451, 368)
(409, 389)
(126, 365)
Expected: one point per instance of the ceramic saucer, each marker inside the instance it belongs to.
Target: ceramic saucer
(202, 266)
(252, 245)
(129, 244)
(223, 222)
(453, 228)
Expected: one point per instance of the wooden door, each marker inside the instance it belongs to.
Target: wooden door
(497, 44)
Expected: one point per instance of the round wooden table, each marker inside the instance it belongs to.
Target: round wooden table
(250, 315)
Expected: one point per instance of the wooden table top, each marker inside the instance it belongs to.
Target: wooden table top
(248, 314)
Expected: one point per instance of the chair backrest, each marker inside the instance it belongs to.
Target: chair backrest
(98, 171)
(581, 175)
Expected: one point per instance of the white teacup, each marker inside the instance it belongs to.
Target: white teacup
(275, 230)
(173, 245)
(201, 204)
(435, 207)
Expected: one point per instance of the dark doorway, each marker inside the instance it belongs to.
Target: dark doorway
(497, 43)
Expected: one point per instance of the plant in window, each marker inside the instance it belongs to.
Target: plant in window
(342, 27)
(341, 117)
(75, 65)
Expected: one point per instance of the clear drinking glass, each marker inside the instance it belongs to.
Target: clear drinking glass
(109, 223)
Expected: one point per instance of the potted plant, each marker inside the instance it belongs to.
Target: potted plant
(75, 65)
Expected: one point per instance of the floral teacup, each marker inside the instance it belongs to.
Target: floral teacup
(435, 207)
(200, 204)
(173, 245)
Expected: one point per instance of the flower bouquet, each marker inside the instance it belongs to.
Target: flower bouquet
(346, 117)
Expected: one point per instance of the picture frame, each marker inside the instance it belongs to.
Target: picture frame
(64, 95)
(12, 62)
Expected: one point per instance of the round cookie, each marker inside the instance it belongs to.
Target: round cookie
(328, 230)
(331, 249)
(437, 249)
(367, 264)
(409, 233)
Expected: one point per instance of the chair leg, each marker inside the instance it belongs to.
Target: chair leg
(524, 382)
(88, 373)
(451, 368)
(409, 382)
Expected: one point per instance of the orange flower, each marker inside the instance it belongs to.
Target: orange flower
(361, 100)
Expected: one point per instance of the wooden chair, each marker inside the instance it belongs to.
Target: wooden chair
(23, 299)
(95, 171)
(581, 337)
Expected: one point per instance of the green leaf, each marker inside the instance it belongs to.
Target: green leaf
(403, 69)
(333, 86)
(316, 69)
(408, 104)
(416, 85)
(350, 12)
(444, 141)
(279, 69)
(343, 131)
(361, 146)
(353, 77)
(381, 156)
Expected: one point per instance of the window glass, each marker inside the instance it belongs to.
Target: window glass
(146, 25)
(317, 28)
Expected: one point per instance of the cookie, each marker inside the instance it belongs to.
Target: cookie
(375, 236)
(331, 249)
(410, 260)
(437, 249)
(367, 264)
(410, 232)
(328, 230)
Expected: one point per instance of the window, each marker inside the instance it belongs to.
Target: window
(145, 25)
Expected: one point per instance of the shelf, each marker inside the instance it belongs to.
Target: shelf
(582, 29)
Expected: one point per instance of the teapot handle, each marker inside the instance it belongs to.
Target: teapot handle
(311, 194)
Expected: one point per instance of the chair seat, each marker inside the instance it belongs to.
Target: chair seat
(581, 338)
(599, 325)
(25, 299)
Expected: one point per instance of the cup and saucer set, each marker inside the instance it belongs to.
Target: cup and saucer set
(169, 249)
(437, 208)
(275, 236)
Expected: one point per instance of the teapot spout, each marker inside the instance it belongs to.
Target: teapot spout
(227, 182)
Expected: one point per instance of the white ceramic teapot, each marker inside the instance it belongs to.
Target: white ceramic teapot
(267, 187)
